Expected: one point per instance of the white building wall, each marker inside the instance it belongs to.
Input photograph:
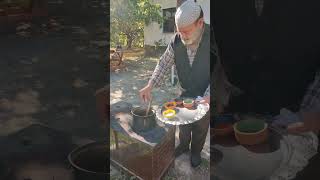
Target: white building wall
(153, 32)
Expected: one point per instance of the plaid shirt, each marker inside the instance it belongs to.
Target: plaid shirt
(166, 62)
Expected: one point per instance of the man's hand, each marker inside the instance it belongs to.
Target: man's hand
(145, 93)
(206, 99)
(311, 122)
(297, 128)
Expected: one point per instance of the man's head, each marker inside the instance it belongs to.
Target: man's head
(189, 22)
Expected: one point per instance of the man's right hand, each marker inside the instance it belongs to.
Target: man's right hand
(145, 93)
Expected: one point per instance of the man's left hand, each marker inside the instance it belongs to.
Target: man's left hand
(297, 128)
(311, 122)
(206, 99)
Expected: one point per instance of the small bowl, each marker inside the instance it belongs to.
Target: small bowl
(178, 101)
(222, 129)
(188, 104)
(170, 105)
(170, 113)
(251, 138)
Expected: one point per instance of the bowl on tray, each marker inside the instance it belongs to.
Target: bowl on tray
(251, 131)
(169, 113)
(188, 103)
(170, 105)
(222, 125)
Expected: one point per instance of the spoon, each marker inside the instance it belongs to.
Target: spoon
(148, 109)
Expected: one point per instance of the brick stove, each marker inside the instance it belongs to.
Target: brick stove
(148, 154)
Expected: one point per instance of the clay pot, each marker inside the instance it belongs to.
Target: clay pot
(251, 138)
(178, 101)
(188, 105)
(222, 129)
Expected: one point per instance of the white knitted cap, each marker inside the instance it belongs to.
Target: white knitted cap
(187, 13)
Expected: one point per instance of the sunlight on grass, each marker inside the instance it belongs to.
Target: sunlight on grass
(137, 55)
(133, 53)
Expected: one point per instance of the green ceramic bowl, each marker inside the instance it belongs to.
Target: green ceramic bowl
(188, 101)
(250, 125)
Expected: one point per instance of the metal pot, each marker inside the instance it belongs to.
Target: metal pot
(141, 122)
(90, 161)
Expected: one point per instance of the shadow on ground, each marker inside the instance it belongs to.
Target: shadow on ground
(51, 78)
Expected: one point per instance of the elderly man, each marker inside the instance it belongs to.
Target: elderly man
(269, 50)
(189, 51)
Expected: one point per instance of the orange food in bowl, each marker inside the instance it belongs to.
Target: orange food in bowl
(170, 105)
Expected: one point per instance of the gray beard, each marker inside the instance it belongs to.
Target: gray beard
(193, 41)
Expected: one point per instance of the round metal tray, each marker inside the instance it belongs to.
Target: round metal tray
(184, 115)
(232, 161)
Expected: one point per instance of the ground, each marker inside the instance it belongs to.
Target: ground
(50, 77)
(125, 85)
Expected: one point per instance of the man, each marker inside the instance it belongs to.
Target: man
(273, 67)
(189, 52)
(270, 51)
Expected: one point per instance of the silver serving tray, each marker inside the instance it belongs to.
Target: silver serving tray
(184, 115)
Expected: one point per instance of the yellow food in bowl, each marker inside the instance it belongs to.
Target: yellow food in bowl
(169, 113)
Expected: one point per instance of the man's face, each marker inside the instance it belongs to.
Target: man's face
(191, 33)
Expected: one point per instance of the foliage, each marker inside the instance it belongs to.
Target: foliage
(128, 19)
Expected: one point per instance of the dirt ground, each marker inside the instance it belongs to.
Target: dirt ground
(50, 76)
(125, 85)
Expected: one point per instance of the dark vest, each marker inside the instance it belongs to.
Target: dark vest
(272, 58)
(194, 79)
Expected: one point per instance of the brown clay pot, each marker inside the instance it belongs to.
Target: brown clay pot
(188, 105)
(222, 131)
(251, 138)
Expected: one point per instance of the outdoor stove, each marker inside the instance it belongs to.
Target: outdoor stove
(145, 154)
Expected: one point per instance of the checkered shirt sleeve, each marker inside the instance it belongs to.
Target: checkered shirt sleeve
(164, 65)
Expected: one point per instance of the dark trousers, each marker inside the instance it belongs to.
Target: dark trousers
(195, 133)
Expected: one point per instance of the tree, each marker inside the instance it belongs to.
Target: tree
(128, 18)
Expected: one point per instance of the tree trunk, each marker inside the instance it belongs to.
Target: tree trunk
(129, 42)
